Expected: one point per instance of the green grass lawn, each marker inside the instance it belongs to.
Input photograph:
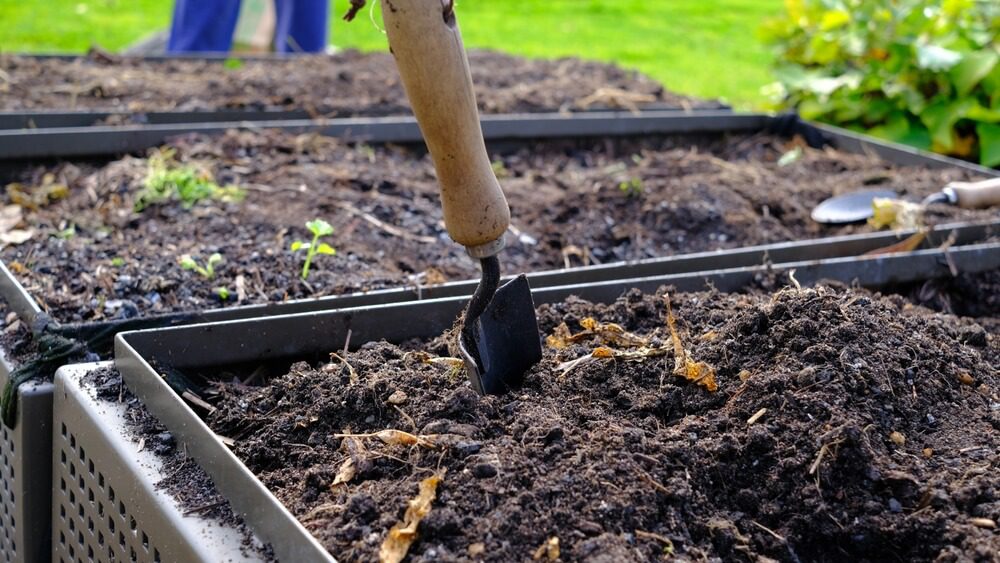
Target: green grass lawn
(705, 48)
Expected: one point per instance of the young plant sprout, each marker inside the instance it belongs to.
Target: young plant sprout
(166, 180)
(207, 271)
(631, 188)
(319, 228)
(222, 292)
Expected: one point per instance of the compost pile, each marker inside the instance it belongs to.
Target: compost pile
(346, 84)
(92, 256)
(845, 426)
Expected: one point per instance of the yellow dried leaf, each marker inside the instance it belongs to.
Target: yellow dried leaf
(401, 536)
(928, 452)
(603, 352)
(965, 379)
(549, 550)
(710, 336)
(346, 472)
(897, 438)
(895, 214)
(394, 437)
(560, 338)
(589, 323)
(697, 372)
(908, 244)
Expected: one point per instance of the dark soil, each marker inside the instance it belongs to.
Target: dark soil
(572, 204)
(879, 441)
(342, 85)
(183, 478)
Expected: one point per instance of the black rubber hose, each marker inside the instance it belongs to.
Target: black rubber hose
(487, 287)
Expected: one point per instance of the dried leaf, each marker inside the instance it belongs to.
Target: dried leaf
(896, 214)
(603, 352)
(897, 438)
(394, 437)
(697, 372)
(346, 472)
(402, 534)
(607, 333)
(560, 338)
(909, 244)
(549, 550)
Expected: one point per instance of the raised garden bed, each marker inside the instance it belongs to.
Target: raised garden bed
(93, 258)
(820, 443)
(58, 92)
(95, 243)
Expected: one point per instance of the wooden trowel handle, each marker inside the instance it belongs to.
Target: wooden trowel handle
(424, 38)
(976, 195)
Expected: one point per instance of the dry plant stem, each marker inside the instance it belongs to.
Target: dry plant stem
(391, 229)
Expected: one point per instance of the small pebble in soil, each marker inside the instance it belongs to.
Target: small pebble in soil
(894, 506)
(484, 470)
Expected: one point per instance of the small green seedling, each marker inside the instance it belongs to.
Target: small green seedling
(319, 228)
(117, 261)
(232, 63)
(222, 292)
(67, 233)
(207, 271)
(499, 168)
(167, 180)
(631, 188)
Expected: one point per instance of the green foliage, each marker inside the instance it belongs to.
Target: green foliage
(207, 271)
(117, 261)
(631, 188)
(168, 180)
(222, 292)
(232, 63)
(920, 72)
(319, 228)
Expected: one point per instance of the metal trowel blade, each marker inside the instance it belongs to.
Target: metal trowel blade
(506, 339)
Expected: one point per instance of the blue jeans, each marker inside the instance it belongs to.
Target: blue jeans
(206, 26)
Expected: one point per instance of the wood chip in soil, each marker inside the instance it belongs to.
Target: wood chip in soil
(573, 203)
(879, 440)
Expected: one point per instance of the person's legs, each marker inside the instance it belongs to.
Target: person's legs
(203, 25)
(302, 26)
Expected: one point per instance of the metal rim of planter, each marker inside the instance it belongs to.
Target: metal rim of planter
(97, 477)
(312, 334)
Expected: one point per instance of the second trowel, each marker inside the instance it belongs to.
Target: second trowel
(499, 340)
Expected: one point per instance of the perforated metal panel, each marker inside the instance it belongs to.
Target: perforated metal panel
(8, 473)
(106, 506)
(25, 472)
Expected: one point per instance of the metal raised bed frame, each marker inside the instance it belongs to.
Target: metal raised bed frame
(313, 334)
(95, 475)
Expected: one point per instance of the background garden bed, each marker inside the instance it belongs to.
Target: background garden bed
(347, 84)
(92, 257)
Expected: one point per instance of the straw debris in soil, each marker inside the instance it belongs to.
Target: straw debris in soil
(620, 460)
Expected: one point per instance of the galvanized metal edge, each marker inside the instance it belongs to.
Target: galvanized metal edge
(50, 118)
(99, 427)
(238, 341)
(850, 141)
(31, 487)
(64, 142)
(249, 498)
(831, 247)
(312, 334)
(18, 299)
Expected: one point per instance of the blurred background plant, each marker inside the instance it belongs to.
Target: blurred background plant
(920, 72)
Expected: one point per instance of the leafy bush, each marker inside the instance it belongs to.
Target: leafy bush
(921, 72)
